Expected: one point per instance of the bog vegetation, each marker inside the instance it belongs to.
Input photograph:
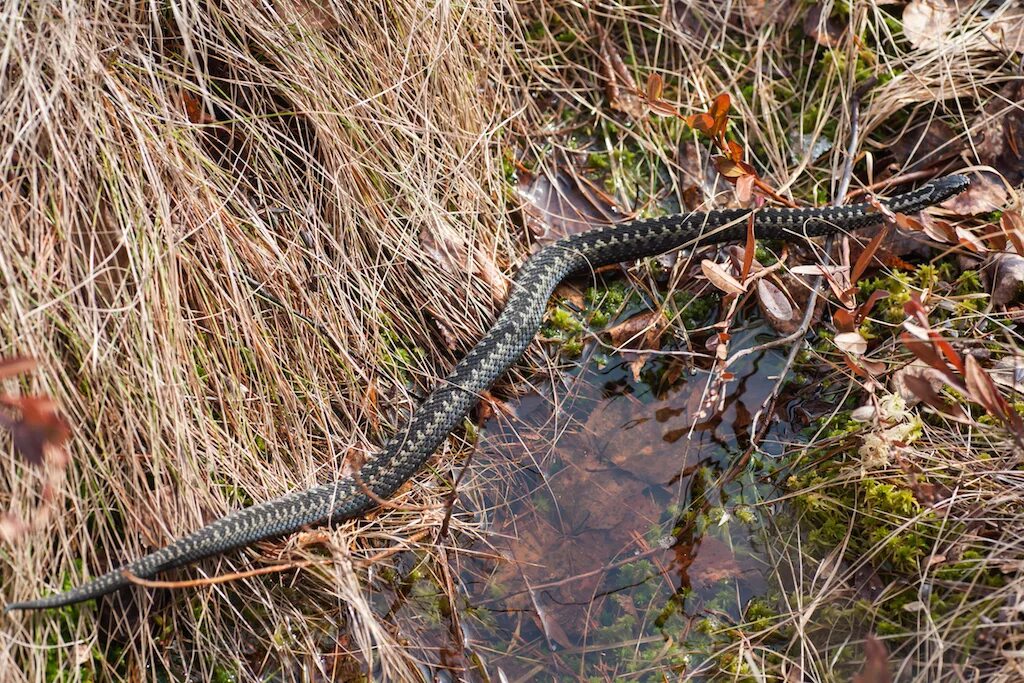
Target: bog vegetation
(241, 240)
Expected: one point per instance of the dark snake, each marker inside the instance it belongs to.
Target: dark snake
(445, 407)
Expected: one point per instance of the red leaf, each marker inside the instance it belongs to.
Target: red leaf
(751, 245)
(865, 256)
(843, 320)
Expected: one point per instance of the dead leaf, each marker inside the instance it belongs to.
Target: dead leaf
(620, 87)
(38, 430)
(707, 562)
(925, 22)
(822, 28)
(451, 252)
(564, 204)
(986, 194)
(776, 308)
(642, 330)
(876, 663)
(984, 392)
(1006, 278)
(852, 343)
(1007, 30)
(905, 382)
(721, 278)
(866, 255)
(938, 230)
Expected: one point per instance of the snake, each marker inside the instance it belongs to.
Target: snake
(442, 411)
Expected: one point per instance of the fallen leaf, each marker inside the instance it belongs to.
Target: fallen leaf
(851, 342)
(642, 330)
(925, 22)
(984, 392)
(707, 562)
(905, 382)
(776, 308)
(721, 278)
(866, 255)
(822, 28)
(564, 204)
(938, 230)
(876, 663)
(451, 252)
(38, 430)
(986, 194)
(1006, 278)
(1007, 30)
(620, 87)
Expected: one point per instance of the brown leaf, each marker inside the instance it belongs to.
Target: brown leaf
(1012, 225)
(721, 278)
(451, 252)
(822, 28)
(938, 230)
(876, 663)
(986, 194)
(775, 307)
(707, 562)
(655, 85)
(39, 427)
(925, 22)
(844, 320)
(968, 239)
(865, 256)
(984, 391)
(564, 204)
(921, 388)
(620, 87)
(642, 330)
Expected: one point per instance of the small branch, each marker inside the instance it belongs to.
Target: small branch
(234, 576)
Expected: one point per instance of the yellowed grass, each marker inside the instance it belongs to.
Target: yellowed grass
(163, 164)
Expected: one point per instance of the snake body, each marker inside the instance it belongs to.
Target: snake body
(505, 342)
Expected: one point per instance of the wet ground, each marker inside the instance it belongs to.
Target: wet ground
(598, 566)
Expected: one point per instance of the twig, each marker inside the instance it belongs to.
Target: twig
(234, 576)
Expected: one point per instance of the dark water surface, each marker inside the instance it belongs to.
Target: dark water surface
(593, 567)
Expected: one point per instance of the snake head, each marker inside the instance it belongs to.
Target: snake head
(930, 194)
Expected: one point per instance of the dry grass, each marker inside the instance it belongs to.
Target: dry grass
(161, 160)
(165, 164)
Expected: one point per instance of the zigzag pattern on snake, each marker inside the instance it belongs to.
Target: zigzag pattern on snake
(514, 329)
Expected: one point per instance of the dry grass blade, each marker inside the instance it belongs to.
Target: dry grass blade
(157, 164)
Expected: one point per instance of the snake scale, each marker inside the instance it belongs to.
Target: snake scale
(505, 342)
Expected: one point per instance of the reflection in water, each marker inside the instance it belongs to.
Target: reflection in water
(598, 568)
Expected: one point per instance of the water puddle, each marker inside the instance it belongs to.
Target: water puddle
(597, 565)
